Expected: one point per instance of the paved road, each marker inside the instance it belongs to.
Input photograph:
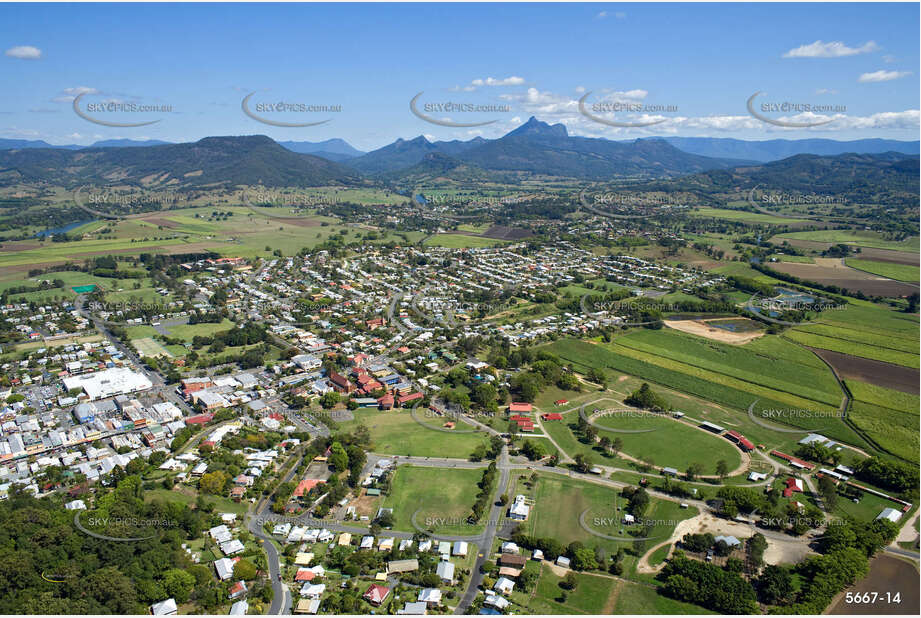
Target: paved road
(485, 541)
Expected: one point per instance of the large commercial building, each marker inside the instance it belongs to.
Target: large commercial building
(108, 383)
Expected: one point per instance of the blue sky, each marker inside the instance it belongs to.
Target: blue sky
(700, 61)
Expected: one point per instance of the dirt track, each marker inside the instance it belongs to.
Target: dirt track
(700, 328)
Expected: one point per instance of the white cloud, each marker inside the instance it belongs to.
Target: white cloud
(69, 94)
(24, 52)
(491, 81)
(832, 49)
(888, 58)
(882, 76)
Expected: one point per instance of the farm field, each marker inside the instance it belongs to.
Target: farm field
(888, 417)
(396, 433)
(834, 271)
(859, 238)
(736, 388)
(743, 215)
(441, 497)
(854, 348)
(899, 272)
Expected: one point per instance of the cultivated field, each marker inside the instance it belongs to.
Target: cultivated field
(834, 271)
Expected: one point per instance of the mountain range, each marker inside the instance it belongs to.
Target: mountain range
(775, 149)
(535, 148)
(254, 159)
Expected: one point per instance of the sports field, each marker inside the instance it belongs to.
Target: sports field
(150, 347)
(395, 432)
(442, 499)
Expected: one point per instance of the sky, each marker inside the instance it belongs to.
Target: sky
(690, 68)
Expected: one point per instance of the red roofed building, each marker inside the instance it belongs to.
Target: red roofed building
(519, 408)
(524, 423)
(740, 440)
(410, 397)
(304, 487)
(376, 595)
(341, 383)
(199, 419)
(385, 402)
(304, 575)
(553, 416)
(793, 485)
(560, 402)
(799, 463)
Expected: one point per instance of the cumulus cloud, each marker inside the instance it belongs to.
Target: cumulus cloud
(69, 94)
(24, 52)
(491, 81)
(832, 49)
(882, 76)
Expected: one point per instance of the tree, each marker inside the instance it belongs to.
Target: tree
(213, 482)
(694, 470)
(617, 446)
(178, 584)
(244, 569)
(775, 585)
(570, 581)
(328, 400)
(581, 462)
(722, 469)
(829, 492)
(338, 458)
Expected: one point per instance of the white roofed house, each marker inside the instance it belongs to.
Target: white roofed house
(164, 608)
(445, 570)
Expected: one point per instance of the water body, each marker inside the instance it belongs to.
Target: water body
(420, 199)
(63, 229)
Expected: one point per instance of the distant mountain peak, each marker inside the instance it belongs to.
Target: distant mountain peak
(535, 127)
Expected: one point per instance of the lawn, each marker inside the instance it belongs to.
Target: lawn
(669, 443)
(462, 241)
(187, 332)
(559, 504)
(637, 599)
(899, 272)
(397, 433)
(187, 496)
(441, 497)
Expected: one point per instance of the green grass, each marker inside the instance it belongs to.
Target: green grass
(844, 346)
(899, 272)
(860, 238)
(187, 332)
(443, 498)
(187, 496)
(670, 443)
(560, 503)
(734, 386)
(462, 241)
(741, 215)
(889, 417)
(796, 259)
(637, 599)
(397, 433)
(589, 597)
